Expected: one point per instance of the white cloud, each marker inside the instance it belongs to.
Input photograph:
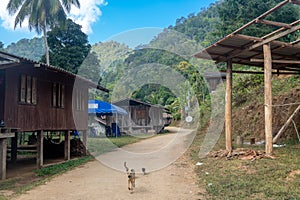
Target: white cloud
(8, 20)
(88, 14)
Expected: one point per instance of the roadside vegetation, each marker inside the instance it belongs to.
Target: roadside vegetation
(263, 178)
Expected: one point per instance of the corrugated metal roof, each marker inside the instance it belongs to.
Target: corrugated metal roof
(236, 48)
(9, 60)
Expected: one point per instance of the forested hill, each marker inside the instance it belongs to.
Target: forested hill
(205, 27)
(28, 48)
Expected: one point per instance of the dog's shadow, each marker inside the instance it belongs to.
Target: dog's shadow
(141, 189)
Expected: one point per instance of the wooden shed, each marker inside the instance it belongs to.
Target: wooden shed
(141, 116)
(269, 53)
(38, 98)
(214, 79)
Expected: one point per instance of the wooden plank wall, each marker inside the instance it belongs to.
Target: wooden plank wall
(42, 116)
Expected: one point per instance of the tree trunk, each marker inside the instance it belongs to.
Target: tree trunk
(46, 45)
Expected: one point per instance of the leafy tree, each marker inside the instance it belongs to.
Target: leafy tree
(41, 14)
(69, 46)
(1, 45)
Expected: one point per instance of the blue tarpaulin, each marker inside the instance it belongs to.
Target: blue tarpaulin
(104, 108)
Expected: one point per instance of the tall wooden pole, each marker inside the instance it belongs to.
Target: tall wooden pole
(67, 148)
(14, 148)
(228, 107)
(3, 149)
(84, 141)
(40, 149)
(268, 98)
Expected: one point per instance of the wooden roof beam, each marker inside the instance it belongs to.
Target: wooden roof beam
(262, 16)
(277, 61)
(272, 23)
(295, 2)
(295, 42)
(9, 58)
(268, 40)
(260, 72)
(281, 29)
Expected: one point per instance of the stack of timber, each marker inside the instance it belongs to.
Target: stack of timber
(240, 153)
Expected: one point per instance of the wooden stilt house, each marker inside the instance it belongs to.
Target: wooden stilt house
(38, 98)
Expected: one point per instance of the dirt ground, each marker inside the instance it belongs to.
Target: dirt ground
(104, 179)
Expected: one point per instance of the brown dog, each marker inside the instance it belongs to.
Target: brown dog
(131, 177)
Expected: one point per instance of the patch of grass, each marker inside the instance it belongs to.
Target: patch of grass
(98, 146)
(259, 179)
(63, 167)
(7, 184)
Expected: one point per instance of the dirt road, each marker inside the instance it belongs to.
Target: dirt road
(96, 180)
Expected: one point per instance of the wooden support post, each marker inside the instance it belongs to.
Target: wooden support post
(228, 107)
(3, 149)
(40, 149)
(14, 148)
(283, 128)
(84, 141)
(67, 152)
(268, 98)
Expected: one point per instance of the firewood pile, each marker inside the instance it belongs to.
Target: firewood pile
(77, 147)
(240, 153)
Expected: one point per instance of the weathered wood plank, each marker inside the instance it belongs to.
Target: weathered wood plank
(286, 124)
(279, 24)
(228, 107)
(262, 16)
(268, 98)
(40, 149)
(279, 35)
(7, 135)
(3, 146)
(277, 61)
(67, 148)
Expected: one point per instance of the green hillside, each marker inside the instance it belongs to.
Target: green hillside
(29, 48)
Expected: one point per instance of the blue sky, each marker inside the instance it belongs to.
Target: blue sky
(110, 19)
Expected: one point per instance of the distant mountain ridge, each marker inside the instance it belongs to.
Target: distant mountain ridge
(32, 49)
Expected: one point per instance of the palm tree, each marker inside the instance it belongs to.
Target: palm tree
(41, 14)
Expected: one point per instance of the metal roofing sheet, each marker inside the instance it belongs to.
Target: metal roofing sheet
(236, 47)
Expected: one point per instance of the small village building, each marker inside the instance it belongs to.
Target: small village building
(38, 98)
(141, 116)
(214, 79)
(107, 117)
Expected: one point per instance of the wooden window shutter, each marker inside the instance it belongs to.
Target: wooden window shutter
(23, 88)
(34, 89)
(58, 92)
(28, 92)
(63, 96)
(54, 95)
